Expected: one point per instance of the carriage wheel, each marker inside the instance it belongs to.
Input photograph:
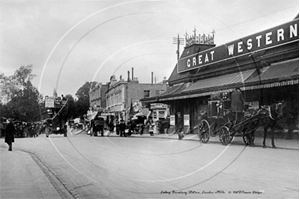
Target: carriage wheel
(248, 138)
(204, 131)
(224, 135)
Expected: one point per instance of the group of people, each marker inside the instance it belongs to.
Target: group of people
(134, 125)
(23, 129)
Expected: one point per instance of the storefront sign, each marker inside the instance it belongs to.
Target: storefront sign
(282, 34)
(158, 105)
(186, 120)
(172, 120)
(49, 102)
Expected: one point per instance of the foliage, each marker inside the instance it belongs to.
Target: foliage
(20, 99)
(69, 110)
(83, 102)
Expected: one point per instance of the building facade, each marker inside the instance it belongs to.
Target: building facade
(97, 96)
(122, 95)
(265, 66)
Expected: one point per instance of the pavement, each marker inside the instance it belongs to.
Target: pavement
(23, 176)
(292, 144)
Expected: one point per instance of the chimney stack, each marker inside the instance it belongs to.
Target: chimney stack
(151, 77)
(128, 79)
(132, 73)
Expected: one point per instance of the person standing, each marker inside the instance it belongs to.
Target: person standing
(111, 125)
(117, 127)
(179, 126)
(237, 104)
(291, 123)
(122, 128)
(149, 125)
(9, 134)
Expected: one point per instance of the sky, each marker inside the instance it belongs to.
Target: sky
(70, 42)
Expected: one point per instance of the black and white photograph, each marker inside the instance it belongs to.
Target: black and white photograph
(154, 99)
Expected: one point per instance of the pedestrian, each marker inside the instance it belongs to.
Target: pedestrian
(90, 129)
(9, 134)
(142, 121)
(291, 117)
(111, 125)
(179, 126)
(149, 125)
(166, 125)
(131, 126)
(122, 128)
(237, 105)
(117, 127)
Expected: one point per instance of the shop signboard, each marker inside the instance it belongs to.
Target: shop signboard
(172, 120)
(49, 102)
(273, 37)
(158, 106)
(186, 120)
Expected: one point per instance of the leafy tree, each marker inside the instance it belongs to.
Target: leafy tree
(69, 110)
(83, 102)
(20, 99)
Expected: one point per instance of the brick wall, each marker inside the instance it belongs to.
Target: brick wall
(135, 91)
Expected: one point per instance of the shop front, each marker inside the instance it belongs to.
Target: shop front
(265, 66)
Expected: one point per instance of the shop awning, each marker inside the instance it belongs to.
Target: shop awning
(279, 74)
(220, 81)
(204, 87)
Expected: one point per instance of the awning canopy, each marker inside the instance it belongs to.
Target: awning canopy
(287, 70)
(220, 81)
(279, 74)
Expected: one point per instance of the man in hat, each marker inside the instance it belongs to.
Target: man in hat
(237, 105)
(9, 134)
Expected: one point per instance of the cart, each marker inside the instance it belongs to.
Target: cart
(218, 120)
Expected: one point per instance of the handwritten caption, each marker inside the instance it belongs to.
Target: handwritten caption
(234, 192)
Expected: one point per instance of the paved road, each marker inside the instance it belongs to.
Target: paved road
(80, 166)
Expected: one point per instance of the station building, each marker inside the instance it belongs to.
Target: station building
(265, 66)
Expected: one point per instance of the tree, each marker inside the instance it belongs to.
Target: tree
(21, 99)
(69, 110)
(83, 102)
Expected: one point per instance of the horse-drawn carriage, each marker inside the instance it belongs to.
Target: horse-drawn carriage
(219, 120)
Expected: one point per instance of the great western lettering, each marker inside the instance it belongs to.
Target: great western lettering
(280, 35)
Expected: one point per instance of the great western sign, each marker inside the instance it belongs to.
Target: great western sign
(280, 35)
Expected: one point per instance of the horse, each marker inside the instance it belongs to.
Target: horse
(268, 119)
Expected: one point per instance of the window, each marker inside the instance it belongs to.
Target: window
(146, 93)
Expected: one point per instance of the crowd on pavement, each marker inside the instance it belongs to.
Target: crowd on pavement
(22, 129)
(135, 125)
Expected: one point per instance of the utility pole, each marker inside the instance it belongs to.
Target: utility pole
(179, 41)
